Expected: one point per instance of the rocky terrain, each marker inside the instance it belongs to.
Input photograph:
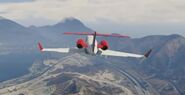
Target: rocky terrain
(72, 75)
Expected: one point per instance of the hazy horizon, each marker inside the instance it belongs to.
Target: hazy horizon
(134, 18)
(133, 30)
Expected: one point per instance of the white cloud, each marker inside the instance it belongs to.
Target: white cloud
(127, 11)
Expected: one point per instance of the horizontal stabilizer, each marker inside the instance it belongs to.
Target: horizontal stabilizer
(97, 34)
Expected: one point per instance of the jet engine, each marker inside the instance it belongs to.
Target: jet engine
(103, 45)
(81, 44)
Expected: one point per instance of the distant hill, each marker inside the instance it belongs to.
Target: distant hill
(12, 33)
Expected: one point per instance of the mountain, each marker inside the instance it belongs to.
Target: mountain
(166, 61)
(15, 35)
(68, 24)
(166, 58)
(54, 33)
(9, 29)
(168, 55)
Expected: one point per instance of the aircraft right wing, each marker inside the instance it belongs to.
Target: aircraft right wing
(59, 50)
(123, 54)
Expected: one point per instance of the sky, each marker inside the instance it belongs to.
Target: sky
(133, 17)
(9, 1)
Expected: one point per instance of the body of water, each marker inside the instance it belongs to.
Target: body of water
(16, 64)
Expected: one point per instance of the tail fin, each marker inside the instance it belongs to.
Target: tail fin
(40, 46)
(94, 39)
(148, 53)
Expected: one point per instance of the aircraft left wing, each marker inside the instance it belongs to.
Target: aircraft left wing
(123, 54)
(59, 50)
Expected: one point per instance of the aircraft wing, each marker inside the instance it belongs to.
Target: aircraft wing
(123, 54)
(59, 50)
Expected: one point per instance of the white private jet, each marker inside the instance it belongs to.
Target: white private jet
(92, 47)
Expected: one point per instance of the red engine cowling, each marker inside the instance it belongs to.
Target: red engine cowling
(103, 45)
(81, 44)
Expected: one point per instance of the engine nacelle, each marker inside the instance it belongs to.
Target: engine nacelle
(81, 44)
(103, 45)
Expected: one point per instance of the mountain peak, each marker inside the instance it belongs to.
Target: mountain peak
(70, 21)
(9, 24)
(71, 24)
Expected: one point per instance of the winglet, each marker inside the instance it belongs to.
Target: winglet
(148, 53)
(40, 46)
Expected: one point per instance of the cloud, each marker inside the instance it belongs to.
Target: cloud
(118, 11)
(9, 1)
